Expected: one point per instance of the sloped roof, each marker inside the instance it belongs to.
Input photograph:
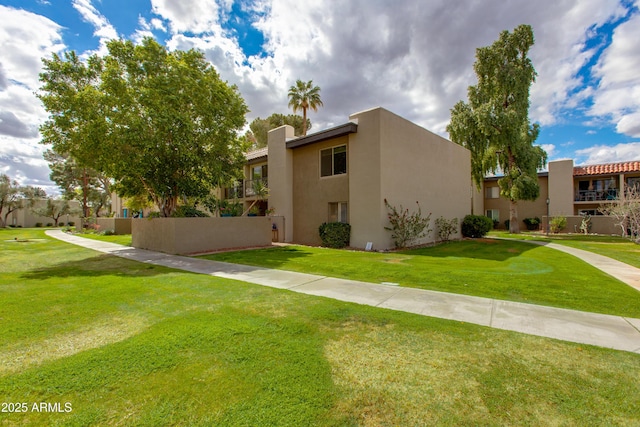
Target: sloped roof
(609, 168)
(256, 154)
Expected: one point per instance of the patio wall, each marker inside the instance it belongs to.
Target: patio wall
(600, 224)
(118, 225)
(200, 235)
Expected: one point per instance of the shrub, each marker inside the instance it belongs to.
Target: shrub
(188, 212)
(532, 223)
(108, 232)
(335, 234)
(38, 224)
(446, 228)
(71, 223)
(405, 227)
(557, 223)
(476, 225)
(496, 223)
(49, 224)
(507, 223)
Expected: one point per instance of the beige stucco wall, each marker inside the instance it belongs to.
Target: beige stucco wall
(312, 193)
(404, 163)
(26, 218)
(561, 191)
(117, 225)
(600, 224)
(199, 235)
(281, 178)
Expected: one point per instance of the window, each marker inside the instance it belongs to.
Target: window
(333, 161)
(492, 192)
(494, 214)
(338, 212)
(259, 172)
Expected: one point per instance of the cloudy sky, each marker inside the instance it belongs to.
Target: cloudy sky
(413, 57)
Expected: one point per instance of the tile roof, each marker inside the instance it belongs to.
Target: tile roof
(261, 152)
(609, 168)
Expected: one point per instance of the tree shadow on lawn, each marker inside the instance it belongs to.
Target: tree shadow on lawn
(100, 265)
(482, 248)
(271, 257)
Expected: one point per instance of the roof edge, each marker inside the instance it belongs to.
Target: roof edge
(323, 135)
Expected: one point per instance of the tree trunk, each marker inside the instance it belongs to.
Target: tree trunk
(514, 226)
(304, 121)
(169, 206)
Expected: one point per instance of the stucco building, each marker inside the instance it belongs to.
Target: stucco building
(570, 191)
(345, 173)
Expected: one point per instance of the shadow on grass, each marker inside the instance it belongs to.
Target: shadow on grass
(100, 265)
(273, 257)
(489, 249)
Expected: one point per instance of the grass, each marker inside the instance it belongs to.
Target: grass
(125, 343)
(615, 247)
(507, 270)
(124, 239)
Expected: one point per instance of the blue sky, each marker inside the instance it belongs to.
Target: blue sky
(414, 58)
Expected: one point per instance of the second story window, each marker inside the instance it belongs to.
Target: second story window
(333, 161)
(492, 193)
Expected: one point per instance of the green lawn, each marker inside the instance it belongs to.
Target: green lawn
(508, 270)
(124, 343)
(612, 246)
(124, 239)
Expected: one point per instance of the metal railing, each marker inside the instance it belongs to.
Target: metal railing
(249, 186)
(244, 188)
(594, 195)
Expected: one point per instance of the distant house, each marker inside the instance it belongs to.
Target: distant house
(345, 173)
(571, 191)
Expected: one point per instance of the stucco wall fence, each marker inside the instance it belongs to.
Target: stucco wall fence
(200, 235)
(117, 225)
(600, 224)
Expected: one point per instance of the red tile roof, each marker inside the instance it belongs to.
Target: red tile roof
(609, 168)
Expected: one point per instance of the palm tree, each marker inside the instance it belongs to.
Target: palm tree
(303, 96)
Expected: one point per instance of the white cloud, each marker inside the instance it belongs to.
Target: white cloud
(103, 29)
(24, 39)
(609, 154)
(550, 149)
(618, 93)
(195, 16)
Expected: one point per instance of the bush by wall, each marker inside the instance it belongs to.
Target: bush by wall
(476, 225)
(335, 234)
(446, 228)
(558, 223)
(189, 212)
(532, 223)
(406, 227)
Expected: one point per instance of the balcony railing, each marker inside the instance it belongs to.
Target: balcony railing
(244, 188)
(249, 186)
(235, 192)
(593, 195)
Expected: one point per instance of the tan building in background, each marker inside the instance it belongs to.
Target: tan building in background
(571, 191)
(25, 217)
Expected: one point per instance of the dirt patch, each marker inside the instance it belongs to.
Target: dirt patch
(104, 332)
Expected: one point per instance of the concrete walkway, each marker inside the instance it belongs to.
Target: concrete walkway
(569, 325)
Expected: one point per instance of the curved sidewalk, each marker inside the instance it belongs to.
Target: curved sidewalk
(602, 330)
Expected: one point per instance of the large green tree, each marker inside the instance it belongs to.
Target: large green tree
(161, 124)
(494, 125)
(304, 96)
(259, 128)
